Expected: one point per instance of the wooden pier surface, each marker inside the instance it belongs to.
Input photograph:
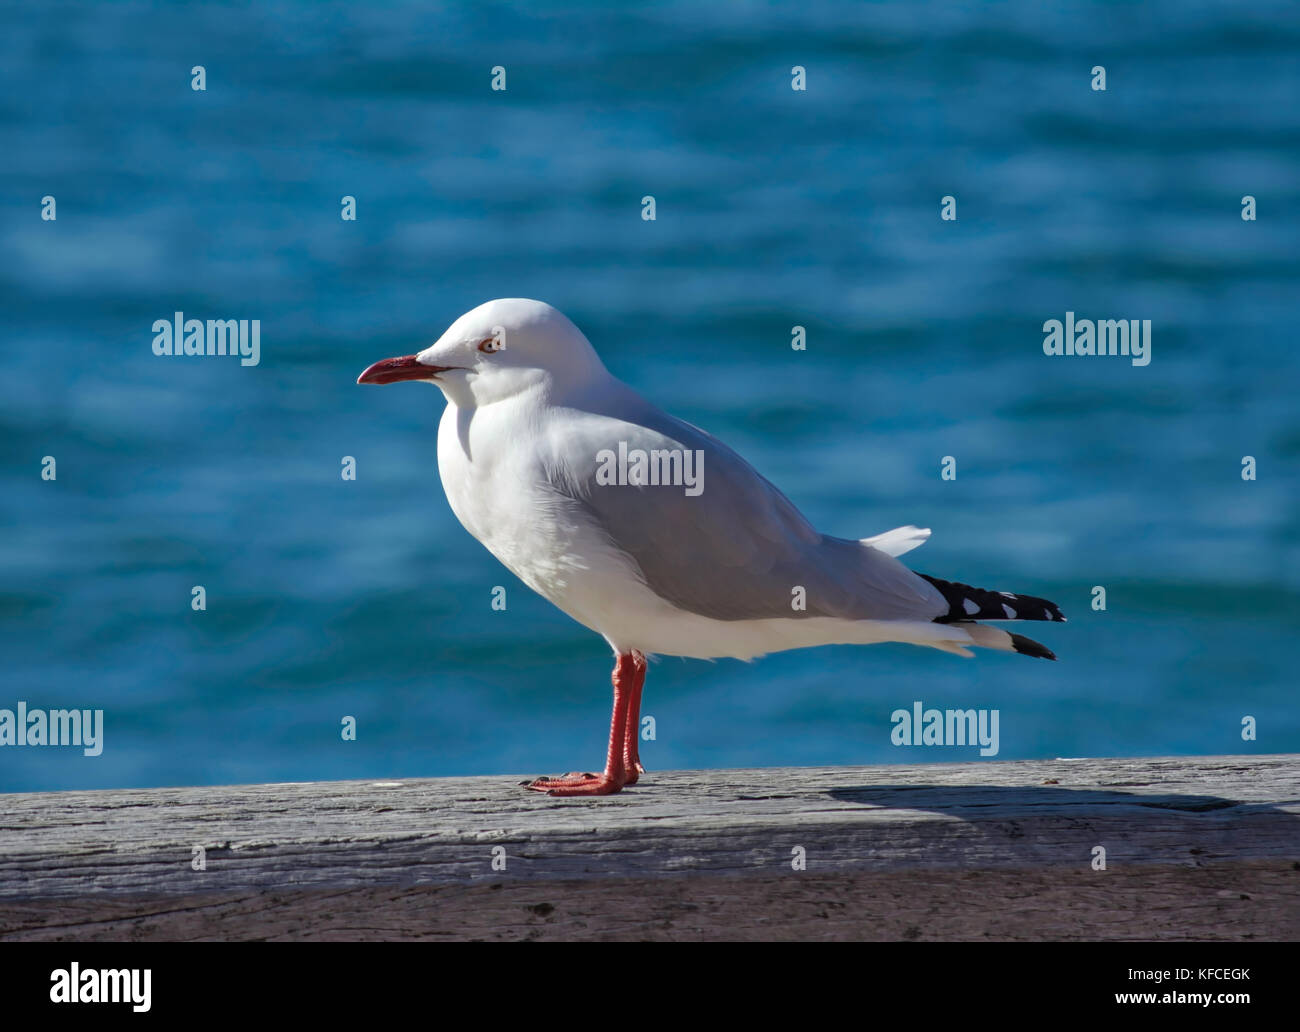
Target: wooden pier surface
(1194, 848)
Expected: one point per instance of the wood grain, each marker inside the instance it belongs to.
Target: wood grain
(1205, 847)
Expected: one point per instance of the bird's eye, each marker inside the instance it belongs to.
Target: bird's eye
(488, 345)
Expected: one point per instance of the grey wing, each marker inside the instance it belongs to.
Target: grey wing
(737, 550)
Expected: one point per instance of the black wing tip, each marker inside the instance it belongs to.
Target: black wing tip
(1029, 647)
(970, 603)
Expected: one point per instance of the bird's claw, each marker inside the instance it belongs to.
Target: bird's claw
(575, 784)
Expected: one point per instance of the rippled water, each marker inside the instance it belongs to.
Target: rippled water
(819, 208)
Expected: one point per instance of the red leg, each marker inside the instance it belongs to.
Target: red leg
(615, 775)
(632, 730)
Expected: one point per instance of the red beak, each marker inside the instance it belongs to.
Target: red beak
(390, 370)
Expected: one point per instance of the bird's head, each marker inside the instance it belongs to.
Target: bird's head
(496, 351)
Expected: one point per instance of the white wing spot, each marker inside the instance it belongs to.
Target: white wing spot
(970, 607)
(1011, 613)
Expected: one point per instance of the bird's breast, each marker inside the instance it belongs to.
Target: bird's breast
(497, 486)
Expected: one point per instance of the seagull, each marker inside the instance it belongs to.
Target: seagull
(652, 532)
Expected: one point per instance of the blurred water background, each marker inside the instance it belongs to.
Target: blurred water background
(328, 598)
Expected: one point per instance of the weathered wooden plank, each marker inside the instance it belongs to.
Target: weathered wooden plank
(443, 830)
(1248, 900)
(81, 864)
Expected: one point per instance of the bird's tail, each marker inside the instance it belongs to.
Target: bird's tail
(967, 604)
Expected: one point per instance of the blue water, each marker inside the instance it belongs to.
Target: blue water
(328, 598)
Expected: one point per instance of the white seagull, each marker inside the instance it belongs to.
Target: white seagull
(653, 533)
